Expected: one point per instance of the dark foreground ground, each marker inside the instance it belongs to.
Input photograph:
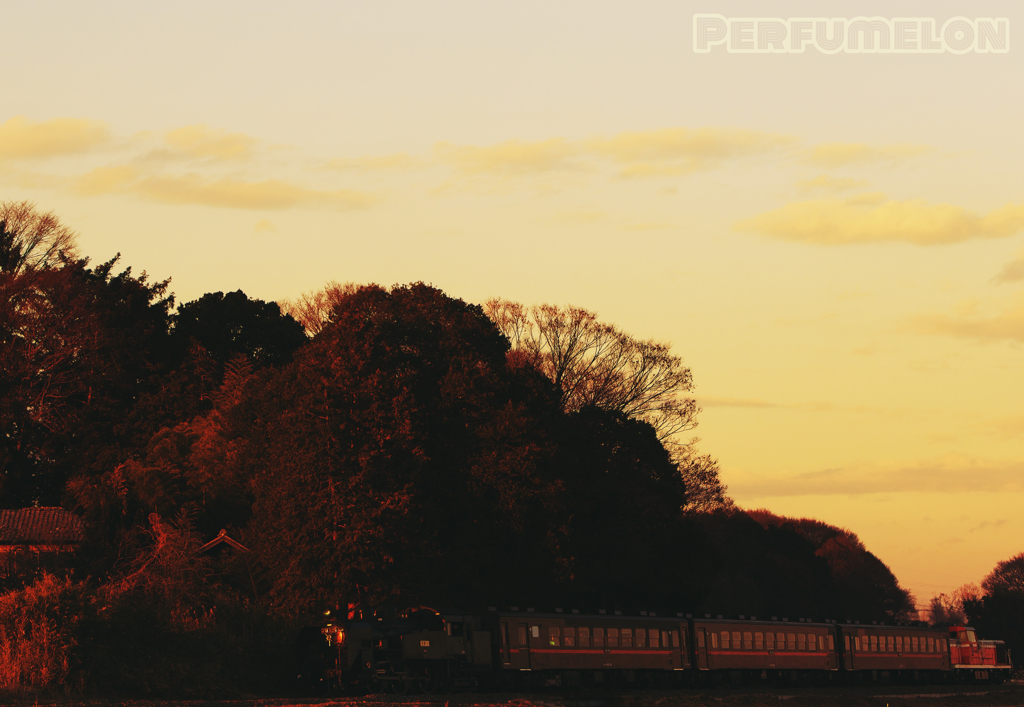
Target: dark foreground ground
(1011, 695)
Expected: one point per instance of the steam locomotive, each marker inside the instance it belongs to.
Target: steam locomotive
(427, 650)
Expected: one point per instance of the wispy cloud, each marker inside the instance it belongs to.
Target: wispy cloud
(677, 151)
(841, 154)
(825, 182)
(265, 226)
(871, 218)
(105, 180)
(510, 158)
(270, 194)
(941, 476)
(21, 138)
(1013, 271)
(203, 142)
(713, 402)
(375, 163)
(968, 323)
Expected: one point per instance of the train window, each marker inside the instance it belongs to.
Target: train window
(613, 638)
(598, 638)
(971, 638)
(758, 641)
(714, 640)
(801, 642)
(569, 637)
(748, 641)
(553, 636)
(931, 644)
(874, 644)
(641, 637)
(654, 639)
(522, 635)
(856, 642)
(791, 641)
(832, 643)
(627, 638)
(725, 640)
(584, 637)
(675, 639)
(769, 641)
(535, 630)
(700, 639)
(847, 643)
(942, 645)
(736, 645)
(812, 642)
(913, 644)
(890, 644)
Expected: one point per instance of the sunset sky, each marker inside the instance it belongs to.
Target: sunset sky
(833, 243)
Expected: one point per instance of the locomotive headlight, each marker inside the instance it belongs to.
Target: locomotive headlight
(334, 635)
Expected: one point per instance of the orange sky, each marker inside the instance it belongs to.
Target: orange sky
(832, 242)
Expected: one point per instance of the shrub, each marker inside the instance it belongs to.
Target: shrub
(38, 633)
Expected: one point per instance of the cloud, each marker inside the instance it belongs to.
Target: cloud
(265, 226)
(370, 163)
(677, 151)
(824, 182)
(870, 218)
(271, 194)
(510, 158)
(1008, 325)
(21, 138)
(202, 142)
(662, 152)
(649, 226)
(735, 403)
(1012, 271)
(105, 180)
(989, 524)
(841, 154)
(578, 218)
(953, 476)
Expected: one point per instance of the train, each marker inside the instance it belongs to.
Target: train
(422, 649)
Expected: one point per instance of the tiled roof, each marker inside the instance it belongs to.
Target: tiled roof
(222, 537)
(40, 526)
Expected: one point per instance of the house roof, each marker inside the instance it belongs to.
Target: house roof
(222, 537)
(40, 526)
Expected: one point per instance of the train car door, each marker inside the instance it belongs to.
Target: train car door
(506, 646)
(701, 649)
(849, 650)
(519, 648)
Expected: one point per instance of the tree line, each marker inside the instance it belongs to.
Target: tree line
(367, 444)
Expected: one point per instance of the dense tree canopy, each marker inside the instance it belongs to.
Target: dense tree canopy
(383, 444)
(998, 612)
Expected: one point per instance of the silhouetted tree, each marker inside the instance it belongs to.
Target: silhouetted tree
(31, 241)
(999, 614)
(230, 324)
(948, 609)
(1008, 576)
(397, 448)
(594, 364)
(619, 519)
(313, 310)
(866, 587)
